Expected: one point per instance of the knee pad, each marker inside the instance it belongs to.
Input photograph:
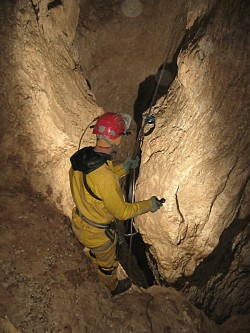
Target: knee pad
(91, 253)
(107, 270)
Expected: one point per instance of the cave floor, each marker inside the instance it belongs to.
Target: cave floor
(47, 283)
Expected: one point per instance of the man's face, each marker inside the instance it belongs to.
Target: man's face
(116, 145)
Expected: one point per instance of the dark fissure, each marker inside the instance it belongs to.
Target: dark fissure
(150, 90)
(54, 4)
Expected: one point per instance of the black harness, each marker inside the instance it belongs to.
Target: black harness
(110, 229)
(89, 189)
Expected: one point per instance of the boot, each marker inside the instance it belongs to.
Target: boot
(122, 286)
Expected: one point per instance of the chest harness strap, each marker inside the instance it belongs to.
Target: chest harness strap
(89, 189)
(111, 229)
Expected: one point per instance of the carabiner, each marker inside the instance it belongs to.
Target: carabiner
(150, 119)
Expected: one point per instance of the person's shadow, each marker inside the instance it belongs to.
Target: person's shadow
(152, 88)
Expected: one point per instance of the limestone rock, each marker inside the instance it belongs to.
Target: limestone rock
(121, 47)
(224, 291)
(198, 159)
(45, 100)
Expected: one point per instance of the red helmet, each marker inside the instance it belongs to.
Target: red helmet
(110, 125)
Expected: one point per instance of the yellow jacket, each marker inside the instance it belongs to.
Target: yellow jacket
(104, 183)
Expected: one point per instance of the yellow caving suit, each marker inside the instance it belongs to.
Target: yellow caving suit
(103, 180)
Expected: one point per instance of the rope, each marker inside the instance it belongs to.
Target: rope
(85, 130)
(138, 146)
(158, 83)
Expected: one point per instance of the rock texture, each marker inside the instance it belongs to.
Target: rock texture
(122, 45)
(47, 284)
(198, 159)
(45, 101)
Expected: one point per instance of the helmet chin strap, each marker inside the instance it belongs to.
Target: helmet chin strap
(114, 147)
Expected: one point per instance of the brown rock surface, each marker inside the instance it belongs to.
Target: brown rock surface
(121, 46)
(198, 159)
(45, 100)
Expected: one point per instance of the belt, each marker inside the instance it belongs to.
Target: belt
(93, 224)
(107, 227)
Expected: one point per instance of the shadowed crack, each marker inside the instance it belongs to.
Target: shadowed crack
(222, 189)
(54, 4)
(215, 268)
(182, 232)
(36, 9)
(178, 205)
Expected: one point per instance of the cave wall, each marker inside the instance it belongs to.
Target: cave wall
(45, 100)
(120, 46)
(198, 159)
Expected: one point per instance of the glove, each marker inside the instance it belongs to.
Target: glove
(156, 204)
(130, 163)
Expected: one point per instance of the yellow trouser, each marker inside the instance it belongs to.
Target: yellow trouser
(101, 246)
